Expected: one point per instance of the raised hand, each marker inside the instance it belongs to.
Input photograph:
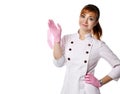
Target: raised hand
(54, 33)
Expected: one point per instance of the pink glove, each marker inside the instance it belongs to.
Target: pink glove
(91, 79)
(50, 39)
(54, 33)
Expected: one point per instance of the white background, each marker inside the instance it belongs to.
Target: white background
(26, 65)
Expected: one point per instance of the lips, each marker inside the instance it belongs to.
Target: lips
(85, 25)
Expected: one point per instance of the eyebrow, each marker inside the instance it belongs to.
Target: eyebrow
(89, 16)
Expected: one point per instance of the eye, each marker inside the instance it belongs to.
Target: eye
(82, 15)
(92, 19)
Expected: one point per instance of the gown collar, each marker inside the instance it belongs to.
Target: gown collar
(86, 35)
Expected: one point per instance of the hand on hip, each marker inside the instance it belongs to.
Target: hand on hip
(91, 79)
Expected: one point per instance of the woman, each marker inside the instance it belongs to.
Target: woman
(80, 52)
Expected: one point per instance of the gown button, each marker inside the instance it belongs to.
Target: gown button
(70, 49)
(68, 58)
(85, 61)
(72, 42)
(87, 52)
(89, 44)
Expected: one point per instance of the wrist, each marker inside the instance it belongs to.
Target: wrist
(57, 40)
(101, 82)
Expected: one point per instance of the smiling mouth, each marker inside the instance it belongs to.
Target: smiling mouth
(85, 25)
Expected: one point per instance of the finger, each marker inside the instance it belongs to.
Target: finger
(87, 79)
(89, 82)
(87, 76)
(59, 27)
(50, 20)
(90, 75)
(51, 23)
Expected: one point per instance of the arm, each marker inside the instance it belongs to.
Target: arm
(114, 74)
(57, 51)
(58, 57)
(106, 53)
(54, 39)
(105, 80)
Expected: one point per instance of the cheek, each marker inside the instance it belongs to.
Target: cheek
(80, 21)
(91, 25)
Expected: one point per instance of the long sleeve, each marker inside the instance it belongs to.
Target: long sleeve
(59, 62)
(115, 73)
(112, 59)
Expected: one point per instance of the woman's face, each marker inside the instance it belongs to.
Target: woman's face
(87, 20)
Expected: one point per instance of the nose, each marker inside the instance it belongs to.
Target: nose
(85, 21)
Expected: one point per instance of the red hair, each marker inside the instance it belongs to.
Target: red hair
(97, 30)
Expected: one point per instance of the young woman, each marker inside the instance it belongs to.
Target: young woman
(80, 52)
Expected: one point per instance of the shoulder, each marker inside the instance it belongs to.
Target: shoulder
(69, 36)
(99, 43)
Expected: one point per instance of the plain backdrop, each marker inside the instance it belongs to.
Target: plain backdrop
(26, 61)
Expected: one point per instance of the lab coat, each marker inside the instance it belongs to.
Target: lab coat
(80, 58)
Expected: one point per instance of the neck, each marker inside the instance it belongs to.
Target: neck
(82, 34)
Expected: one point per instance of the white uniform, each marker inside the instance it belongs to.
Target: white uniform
(81, 57)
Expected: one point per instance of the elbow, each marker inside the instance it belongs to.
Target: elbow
(115, 73)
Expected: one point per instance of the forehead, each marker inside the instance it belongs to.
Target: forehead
(91, 13)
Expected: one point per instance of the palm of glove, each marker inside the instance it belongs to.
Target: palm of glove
(54, 33)
(55, 30)
(90, 79)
